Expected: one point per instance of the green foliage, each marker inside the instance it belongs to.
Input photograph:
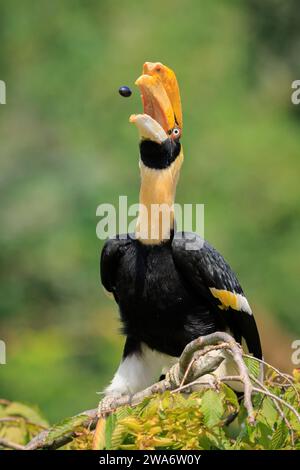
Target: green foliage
(253, 367)
(202, 420)
(199, 422)
(19, 423)
(66, 426)
(212, 408)
(205, 419)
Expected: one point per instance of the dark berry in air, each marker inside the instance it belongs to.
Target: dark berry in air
(125, 91)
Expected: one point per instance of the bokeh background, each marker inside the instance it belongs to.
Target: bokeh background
(66, 146)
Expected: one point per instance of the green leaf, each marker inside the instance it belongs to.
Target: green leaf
(118, 431)
(14, 431)
(117, 436)
(243, 436)
(230, 396)
(64, 427)
(279, 436)
(209, 441)
(268, 413)
(253, 366)
(263, 434)
(123, 412)
(212, 408)
(23, 411)
(109, 428)
(294, 420)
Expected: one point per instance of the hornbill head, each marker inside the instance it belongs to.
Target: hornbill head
(160, 127)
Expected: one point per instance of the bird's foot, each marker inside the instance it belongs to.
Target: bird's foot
(108, 404)
(205, 381)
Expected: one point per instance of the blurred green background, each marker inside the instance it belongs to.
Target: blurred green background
(66, 147)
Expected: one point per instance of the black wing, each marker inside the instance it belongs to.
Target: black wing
(111, 254)
(209, 274)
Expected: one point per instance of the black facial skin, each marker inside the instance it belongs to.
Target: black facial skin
(159, 156)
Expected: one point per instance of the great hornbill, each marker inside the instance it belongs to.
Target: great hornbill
(167, 294)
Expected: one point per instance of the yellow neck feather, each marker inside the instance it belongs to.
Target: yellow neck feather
(157, 197)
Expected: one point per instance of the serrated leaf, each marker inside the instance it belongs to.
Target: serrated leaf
(109, 428)
(253, 366)
(123, 412)
(146, 405)
(64, 427)
(268, 413)
(279, 436)
(119, 429)
(212, 408)
(117, 436)
(149, 410)
(132, 423)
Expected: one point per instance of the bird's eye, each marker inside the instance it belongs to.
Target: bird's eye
(176, 133)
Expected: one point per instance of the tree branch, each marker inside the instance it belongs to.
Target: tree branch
(195, 362)
(11, 445)
(54, 440)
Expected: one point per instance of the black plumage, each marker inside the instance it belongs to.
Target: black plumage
(163, 293)
(159, 156)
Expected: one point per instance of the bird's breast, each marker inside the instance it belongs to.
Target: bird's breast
(148, 278)
(156, 304)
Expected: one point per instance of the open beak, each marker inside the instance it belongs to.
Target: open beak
(161, 102)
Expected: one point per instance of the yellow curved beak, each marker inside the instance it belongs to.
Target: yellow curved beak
(160, 95)
(170, 84)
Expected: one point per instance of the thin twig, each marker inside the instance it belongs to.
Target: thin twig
(192, 384)
(11, 445)
(280, 400)
(278, 408)
(287, 377)
(188, 369)
(266, 392)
